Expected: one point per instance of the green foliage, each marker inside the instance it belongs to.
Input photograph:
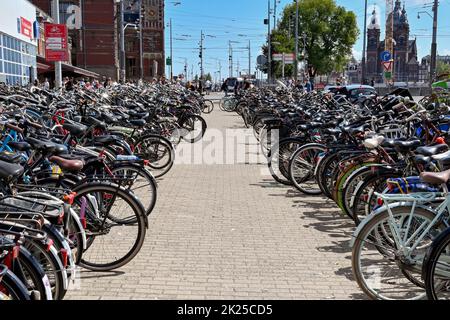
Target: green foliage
(442, 68)
(327, 33)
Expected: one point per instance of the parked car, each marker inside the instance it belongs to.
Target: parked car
(354, 92)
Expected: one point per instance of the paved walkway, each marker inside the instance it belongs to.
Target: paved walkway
(229, 232)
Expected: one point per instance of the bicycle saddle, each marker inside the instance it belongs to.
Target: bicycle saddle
(404, 146)
(19, 146)
(105, 139)
(10, 171)
(47, 146)
(433, 150)
(75, 129)
(435, 177)
(66, 164)
(10, 157)
(138, 122)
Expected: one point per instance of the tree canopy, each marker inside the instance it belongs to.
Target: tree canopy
(327, 33)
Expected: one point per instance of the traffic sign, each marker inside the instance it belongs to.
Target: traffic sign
(261, 60)
(288, 57)
(56, 48)
(385, 56)
(388, 75)
(387, 65)
(168, 61)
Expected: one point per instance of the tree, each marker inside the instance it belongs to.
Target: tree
(208, 77)
(327, 33)
(442, 68)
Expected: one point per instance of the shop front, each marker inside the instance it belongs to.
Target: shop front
(19, 32)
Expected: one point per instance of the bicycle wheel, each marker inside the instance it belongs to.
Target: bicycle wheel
(13, 288)
(302, 168)
(209, 106)
(279, 159)
(158, 151)
(139, 181)
(52, 265)
(32, 275)
(194, 128)
(110, 244)
(325, 170)
(379, 268)
(436, 269)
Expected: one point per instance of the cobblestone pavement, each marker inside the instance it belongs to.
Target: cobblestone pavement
(229, 232)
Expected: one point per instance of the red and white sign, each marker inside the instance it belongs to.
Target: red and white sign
(288, 57)
(387, 65)
(26, 28)
(56, 42)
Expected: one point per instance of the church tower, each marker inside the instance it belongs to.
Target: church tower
(373, 41)
(401, 44)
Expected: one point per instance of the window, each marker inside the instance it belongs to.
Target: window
(16, 60)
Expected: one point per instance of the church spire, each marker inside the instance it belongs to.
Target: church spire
(374, 21)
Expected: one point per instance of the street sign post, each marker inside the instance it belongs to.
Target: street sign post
(287, 57)
(387, 65)
(385, 56)
(56, 42)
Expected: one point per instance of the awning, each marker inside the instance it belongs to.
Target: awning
(44, 66)
(79, 71)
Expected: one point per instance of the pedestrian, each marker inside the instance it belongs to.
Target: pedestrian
(307, 85)
(36, 83)
(46, 84)
(69, 84)
(372, 82)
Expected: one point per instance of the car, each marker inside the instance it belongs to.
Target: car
(354, 92)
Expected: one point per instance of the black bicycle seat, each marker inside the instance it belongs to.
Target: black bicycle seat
(405, 146)
(10, 171)
(431, 151)
(75, 129)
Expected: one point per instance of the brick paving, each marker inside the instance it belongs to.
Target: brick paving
(229, 232)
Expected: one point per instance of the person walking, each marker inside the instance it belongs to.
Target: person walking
(46, 84)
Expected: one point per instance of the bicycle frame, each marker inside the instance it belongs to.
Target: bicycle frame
(405, 245)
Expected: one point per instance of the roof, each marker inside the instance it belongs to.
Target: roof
(358, 86)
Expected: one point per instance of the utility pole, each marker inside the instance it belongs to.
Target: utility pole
(122, 43)
(275, 13)
(171, 51)
(249, 59)
(296, 42)
(220, 71)
(201, 56)
(434, 44)
(186, 69)
(269, 58)
(363, 60)
(58, 67)
(230, 59)
(141, 44)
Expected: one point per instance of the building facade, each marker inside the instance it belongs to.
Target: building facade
(94, 35)
(19, 35)
(406, 64)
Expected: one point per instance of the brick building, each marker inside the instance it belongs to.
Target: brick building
(94, 36)
(406, 64)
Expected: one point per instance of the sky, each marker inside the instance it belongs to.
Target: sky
(242, 21)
